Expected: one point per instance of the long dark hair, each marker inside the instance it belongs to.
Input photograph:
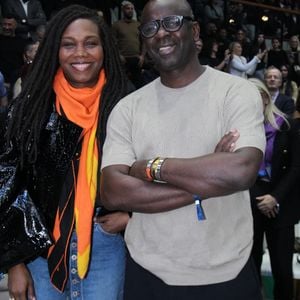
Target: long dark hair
(287, 81)
(31, 109)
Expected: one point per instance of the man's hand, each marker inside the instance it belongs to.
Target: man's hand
(113, 223)
(138, 169)
(20, 283)
(227, 142)
(268, 205)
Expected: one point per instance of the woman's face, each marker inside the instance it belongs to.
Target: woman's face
(284, 72)
(237, 49)
(81, 53)
(215, 47)
(276, 44)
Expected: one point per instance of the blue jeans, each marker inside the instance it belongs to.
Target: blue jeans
(105, 278)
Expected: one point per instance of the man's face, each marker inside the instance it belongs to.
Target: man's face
(170, 50)
(223, 33)
(260, 38)
(211, 28)
(275, 44)
(294, 42)
(8, 27)
(240, 35)
(273, 79)
(128, 11)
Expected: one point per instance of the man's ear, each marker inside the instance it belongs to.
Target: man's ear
(196, 31)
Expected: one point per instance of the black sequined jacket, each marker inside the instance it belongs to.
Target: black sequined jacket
(29, 196)
(58, 145)
(44, 181)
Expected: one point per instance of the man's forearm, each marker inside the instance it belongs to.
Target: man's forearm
(125, 192)
(214, 174)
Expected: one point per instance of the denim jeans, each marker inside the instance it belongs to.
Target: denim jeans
(105, 278)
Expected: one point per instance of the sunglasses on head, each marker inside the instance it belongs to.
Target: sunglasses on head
(169, 23)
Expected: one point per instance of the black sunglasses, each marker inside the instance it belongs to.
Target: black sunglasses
(169, 23)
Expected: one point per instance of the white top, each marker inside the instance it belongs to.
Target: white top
(239, 66)
(188, 122)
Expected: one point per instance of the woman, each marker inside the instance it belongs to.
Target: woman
(289, 87)
(293, 55)
(58, 124)
(209, 56)
(29, 53)
(275, 196)
(276, 56)
(238, 65)
(259, 45)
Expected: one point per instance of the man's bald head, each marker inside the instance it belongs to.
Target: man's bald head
(180, 7)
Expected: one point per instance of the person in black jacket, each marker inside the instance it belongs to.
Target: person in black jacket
(275, 196)
(273, 81)
(28, 13)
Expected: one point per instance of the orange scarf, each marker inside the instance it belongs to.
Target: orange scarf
(81, 106)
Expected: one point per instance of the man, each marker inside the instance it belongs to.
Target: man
(127, 38)
(294, 58)
(11, 50)
(246, 45)
(29, 14)
(179, 250)
(273, 80)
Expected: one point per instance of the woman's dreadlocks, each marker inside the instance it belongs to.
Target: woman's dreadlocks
(31, 109)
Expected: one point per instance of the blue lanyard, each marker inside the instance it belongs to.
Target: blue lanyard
(199, 209)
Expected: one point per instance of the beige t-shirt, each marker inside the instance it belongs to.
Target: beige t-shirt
(183, 123)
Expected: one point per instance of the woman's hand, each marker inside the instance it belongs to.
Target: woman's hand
(227, 142)
(113, 223)
(20, 283)
(268, 205)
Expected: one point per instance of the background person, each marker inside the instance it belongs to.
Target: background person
(127, 38)
(238, 64)
(275, 196)
(294, 58)
(59, 125)
(288, 87)
(30, 51)
(273, 81)
(276, 56)
(259, 46)
(28, 13)
(11, 51)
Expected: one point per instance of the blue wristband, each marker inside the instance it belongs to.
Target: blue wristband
(199, 209)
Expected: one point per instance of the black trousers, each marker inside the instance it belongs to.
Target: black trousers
(280, 242)
(141, 284)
